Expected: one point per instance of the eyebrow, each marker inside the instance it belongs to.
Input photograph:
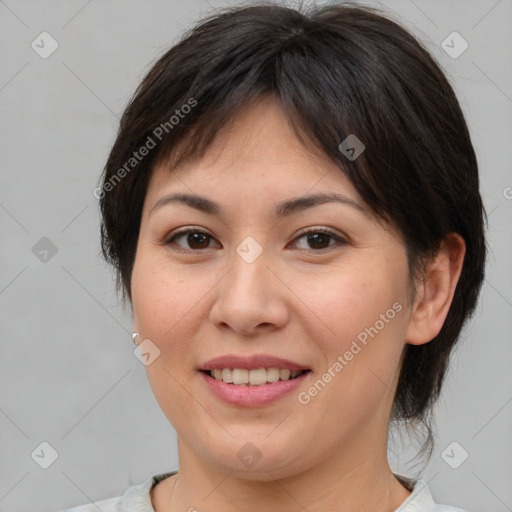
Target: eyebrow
(282, 209)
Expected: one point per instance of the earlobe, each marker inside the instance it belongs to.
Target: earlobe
(435, 293)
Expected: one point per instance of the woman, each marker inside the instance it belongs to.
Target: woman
(292, 209)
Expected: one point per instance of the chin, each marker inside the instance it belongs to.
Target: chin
(257, 458)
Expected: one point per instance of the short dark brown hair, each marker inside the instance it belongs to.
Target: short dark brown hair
(337, 70)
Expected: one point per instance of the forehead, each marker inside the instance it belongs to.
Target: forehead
(257, 150)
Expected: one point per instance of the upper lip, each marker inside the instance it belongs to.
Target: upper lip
(251, 363)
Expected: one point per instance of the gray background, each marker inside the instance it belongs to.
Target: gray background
(67, 369)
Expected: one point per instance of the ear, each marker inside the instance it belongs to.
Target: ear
(434, 294)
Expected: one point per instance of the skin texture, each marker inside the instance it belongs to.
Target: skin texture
(297, 300)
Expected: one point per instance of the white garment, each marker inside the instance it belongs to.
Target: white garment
(137, 498)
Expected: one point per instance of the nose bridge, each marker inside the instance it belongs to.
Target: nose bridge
(249, 276)
(248, 295)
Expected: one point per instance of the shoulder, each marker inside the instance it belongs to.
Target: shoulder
(106, 505)
(136, 498)
(421, 499)
(447, 508)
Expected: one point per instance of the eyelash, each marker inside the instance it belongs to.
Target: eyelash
(170, 240)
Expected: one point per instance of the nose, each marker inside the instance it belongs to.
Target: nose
(250, 298)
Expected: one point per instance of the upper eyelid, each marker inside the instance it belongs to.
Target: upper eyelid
(314, 229)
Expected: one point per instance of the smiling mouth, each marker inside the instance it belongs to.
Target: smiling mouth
(257, 377)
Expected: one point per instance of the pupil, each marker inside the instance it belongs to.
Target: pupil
(311, 239)
(197, 238)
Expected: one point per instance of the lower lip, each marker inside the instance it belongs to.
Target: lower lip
(253, 396)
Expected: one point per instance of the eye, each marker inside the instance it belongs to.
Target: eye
(197, 240)
(319, 238)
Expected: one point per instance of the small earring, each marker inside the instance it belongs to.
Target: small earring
(134, 337)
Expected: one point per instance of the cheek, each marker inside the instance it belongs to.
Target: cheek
(358, 327)
(162, 297)
(166, 306)
(169, 306)
(357, 298)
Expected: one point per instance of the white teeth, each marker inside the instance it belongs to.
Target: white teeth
(226, 375)
(258, 377)
(284, 374)
(240, 376)
(273, 375)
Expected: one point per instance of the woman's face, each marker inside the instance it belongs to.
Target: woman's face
(250, 283)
